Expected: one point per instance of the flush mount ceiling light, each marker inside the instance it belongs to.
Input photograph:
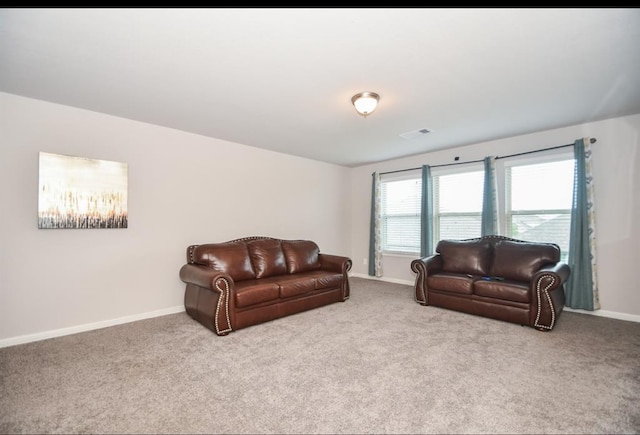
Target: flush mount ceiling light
(365, 102)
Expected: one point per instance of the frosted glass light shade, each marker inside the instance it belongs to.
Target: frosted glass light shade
(365, 102)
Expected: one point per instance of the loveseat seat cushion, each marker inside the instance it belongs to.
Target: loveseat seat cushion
(230, 257)
(267, 257)
(465, 256)
(515, 291)
(519, 261)
(451, 282)
(301, 255)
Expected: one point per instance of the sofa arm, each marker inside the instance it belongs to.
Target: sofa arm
(423, 267)
(202, 276)
(208, 297)
(334, 263)
(547, 286)
(337, 264)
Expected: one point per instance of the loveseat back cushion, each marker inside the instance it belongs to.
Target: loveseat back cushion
(229, 257)
(465, 256)
(301, 255)
(267, 257)
(519, 261)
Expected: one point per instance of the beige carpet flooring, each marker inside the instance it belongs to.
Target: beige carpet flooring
(377, 363)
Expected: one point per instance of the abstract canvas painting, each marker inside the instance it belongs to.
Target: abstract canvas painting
(77, 192)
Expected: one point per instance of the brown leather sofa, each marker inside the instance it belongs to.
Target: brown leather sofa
(243, 282)
(493, 276)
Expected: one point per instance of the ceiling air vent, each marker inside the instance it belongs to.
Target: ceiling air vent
(415, 134)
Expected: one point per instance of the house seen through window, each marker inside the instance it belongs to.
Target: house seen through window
(538, 202)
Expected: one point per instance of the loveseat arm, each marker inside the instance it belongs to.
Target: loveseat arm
(547, 286)
(560, 271)
(208, 297)
(423, 267)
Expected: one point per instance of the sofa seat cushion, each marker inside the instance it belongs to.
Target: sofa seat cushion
(328, 280)
(515, 291)
(465, 256)
(253, 292)
(257, 291)
(296, 285)
(324, 279)
(267, 257)
(519, 261)
(451, 282)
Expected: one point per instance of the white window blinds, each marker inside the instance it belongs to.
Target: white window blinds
(401, 214)
(458, 205)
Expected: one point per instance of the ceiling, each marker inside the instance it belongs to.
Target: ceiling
(282, 79)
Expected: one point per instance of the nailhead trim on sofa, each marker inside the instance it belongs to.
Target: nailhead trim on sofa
(223, 299)
(536, 324)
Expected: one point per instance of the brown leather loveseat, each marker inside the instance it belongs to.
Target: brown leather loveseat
(495, 276)
(243, 282)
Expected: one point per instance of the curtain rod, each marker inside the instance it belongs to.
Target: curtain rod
(592, 140)
(433, 166)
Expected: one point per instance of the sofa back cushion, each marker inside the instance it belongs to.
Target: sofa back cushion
(267, 257)
(519, 261)
(301, 255)
(230, 257)
(465, 256)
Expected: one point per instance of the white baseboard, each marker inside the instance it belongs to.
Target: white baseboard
(602, 313)
(87, 327)
(605, 313)
(393, 280)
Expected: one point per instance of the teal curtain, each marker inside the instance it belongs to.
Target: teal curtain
(372, 228)
(489, 223)
(426, 213)
(580, 290)
(375, 232)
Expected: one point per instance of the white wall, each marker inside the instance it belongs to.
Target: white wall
(616, 172)
(186, 188)
(183, 189)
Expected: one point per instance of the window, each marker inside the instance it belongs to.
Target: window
(457, 207)
(538, 201)
(534, 200)
(457, 204)
(400, 214)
